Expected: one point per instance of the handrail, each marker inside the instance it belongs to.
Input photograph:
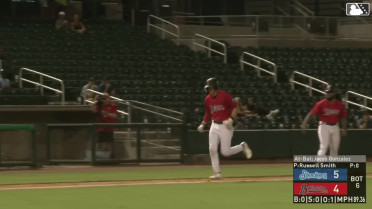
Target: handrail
(130, 105)
(258, 65)
(162, 29)
(208, 47)
(142, 103)
(154, 106)
(297, 3)
(309, 86)
(156, 113)
(111, 97)
(299, 11)
(282, 11)
(365, 98)
(119, 111)
(62, 91)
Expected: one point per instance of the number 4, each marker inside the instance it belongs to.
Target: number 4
(336, 189)
(335, 174)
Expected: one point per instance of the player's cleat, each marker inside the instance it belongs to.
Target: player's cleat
(247, 151)
(216, 176)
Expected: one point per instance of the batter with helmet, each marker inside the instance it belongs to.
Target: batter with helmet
(220, 109)
(331, 111)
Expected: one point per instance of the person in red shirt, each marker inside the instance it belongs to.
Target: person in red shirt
(220, 108)
(107, 113)
(330, 111)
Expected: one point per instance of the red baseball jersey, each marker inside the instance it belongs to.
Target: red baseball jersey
(218, 108)
(110, 108)
(329, 112)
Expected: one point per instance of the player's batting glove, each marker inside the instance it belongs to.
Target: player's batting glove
(201, 128)
(229, 123)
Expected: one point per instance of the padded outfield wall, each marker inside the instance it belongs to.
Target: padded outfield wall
(283, 143)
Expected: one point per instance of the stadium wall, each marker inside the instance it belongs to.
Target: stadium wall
(40, 116)
(276, 42)
(283, 143)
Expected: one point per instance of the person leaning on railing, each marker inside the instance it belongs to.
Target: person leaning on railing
(77, 26)
(62, 22)
(87, 95)
(256, 110)
(106, 87)
(4, 82)
(241, 113)
(366, 121)
(106, 112)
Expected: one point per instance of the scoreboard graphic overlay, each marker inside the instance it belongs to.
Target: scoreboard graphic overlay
(329, 179)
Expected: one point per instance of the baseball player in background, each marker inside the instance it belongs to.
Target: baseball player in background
(330, 111)
(220, 109)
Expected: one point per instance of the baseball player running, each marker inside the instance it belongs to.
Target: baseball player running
(330, 112)
(221, 109)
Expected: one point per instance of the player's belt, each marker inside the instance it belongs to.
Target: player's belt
(329, 124)
(218, 122)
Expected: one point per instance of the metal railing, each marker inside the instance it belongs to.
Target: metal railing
(272, 26)
(302, 9)
(257, 66)
(119, 111)
(282, 11)
(310, 82)
(162, 27)
(209, 46)
(41, 82)
(145, 107)
(111, 97)
(363, 97)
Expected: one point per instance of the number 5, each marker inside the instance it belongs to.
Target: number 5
(335, 174)
(335, 189)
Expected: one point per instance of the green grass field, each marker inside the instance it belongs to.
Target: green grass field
(253, 195)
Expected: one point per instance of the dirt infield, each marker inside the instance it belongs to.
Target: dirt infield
(132, 183)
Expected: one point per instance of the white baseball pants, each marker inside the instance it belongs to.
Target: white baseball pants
(329, 137)
(220, 134)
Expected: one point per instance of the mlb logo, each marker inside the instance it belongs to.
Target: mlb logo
(357, 9)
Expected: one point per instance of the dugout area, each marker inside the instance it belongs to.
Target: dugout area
(138, 143)
(17, 145)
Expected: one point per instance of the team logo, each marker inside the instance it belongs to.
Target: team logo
(305, 189)
(215, 108)
(307, 175)
(357, 9)
(331, 112)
